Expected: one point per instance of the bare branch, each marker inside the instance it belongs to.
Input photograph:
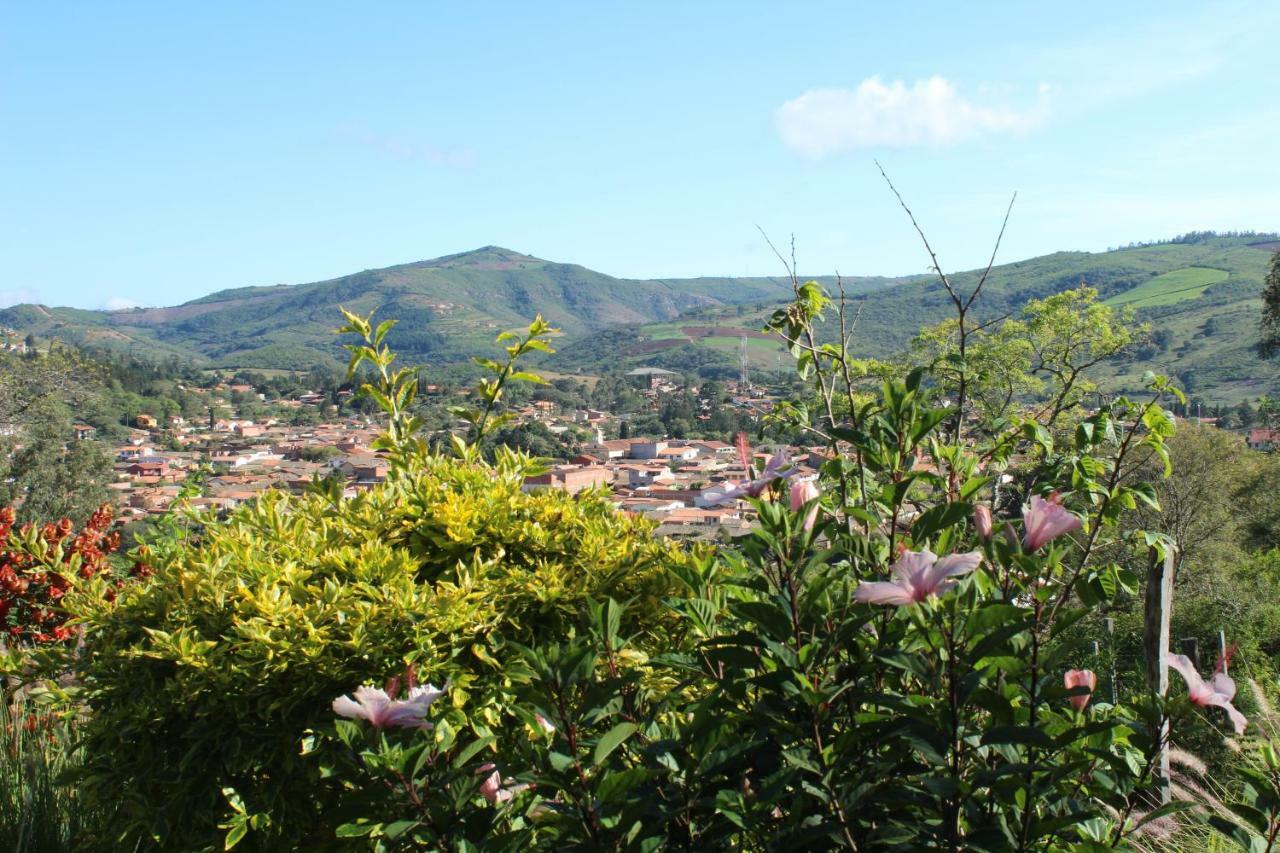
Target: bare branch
(933, 256)
(994, 249)
(789, 267)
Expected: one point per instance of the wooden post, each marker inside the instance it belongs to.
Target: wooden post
(1109, 625)
(1155, 636)
(1191, 648)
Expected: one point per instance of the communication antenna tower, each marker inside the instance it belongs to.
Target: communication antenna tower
(744, 377)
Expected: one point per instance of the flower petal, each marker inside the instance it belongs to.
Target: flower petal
(1044, 521)
(912, 565)
(1238, 720)
(1223, 684)
(882, 592)
(375, 703)
(345, 706)
(724, 494)
(1181, 664)
(949, 566)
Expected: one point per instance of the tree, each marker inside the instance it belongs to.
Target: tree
(1044, 354)
(49, 475)
(28, 383)
(1201, 500)
(1269, 346)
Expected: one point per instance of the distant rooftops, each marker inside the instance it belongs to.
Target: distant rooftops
(650, 371)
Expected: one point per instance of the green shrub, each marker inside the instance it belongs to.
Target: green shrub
(39, 813)
(208, 676)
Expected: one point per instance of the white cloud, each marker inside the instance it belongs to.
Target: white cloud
(822, 122)
(405, 148)
(9, 298)
(119, 303)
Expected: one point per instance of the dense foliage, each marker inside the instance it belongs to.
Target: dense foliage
(209, 675)
(901, 655)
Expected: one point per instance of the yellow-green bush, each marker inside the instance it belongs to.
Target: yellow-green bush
(208, 675)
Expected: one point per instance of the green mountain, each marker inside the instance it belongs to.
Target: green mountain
(1200, 293)
(449, 309)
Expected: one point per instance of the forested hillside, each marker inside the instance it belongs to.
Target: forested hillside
(1199, 293)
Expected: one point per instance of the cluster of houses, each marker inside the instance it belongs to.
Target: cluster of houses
(666, 480)
(238, 461)
(669, 480)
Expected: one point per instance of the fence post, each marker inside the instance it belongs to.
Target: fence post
(1191, 648)
(1155, 636)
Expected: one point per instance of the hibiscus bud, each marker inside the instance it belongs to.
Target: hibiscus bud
(982, 520)
(1045, 520)
(801, 495)
(1080, 678)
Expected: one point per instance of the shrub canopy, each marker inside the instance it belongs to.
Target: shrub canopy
(207, 676)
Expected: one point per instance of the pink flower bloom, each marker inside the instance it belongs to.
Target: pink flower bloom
(775, 469)
(492, 788)
(1045, 520)
(806, 494)
(982, 520)
(917, 576)
(1080, 678)
(1218, 691)
(382, 711)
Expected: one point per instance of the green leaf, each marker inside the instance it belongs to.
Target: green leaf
(612, 740)
(400, 827)
(235, 834)
(355, 830)
(469, 751)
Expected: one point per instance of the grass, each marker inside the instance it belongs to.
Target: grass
(38, 813)
(1170, 288)
(761, 353)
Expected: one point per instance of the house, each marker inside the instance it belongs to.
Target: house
(148, 467)
(650, 376)
(366, 468)
(83, 432)
(713, 448)
(616, 449)
(1263, 439)
(640, 475)
(677, 454)
(571, 479)
(647, 449)
(649, 506)
(710, 515)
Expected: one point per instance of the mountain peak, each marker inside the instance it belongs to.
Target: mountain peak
(488, 258)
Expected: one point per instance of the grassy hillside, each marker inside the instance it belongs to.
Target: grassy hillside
(1170, 288)
(1201, 299)
(1201, 296)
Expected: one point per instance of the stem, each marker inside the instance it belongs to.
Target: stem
(1034, 707)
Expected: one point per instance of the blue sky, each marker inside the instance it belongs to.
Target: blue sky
(154, 153)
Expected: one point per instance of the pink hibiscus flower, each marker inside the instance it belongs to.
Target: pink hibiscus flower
(1218, 691)
(917, 575)
(1045, 520)
(381, 711)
